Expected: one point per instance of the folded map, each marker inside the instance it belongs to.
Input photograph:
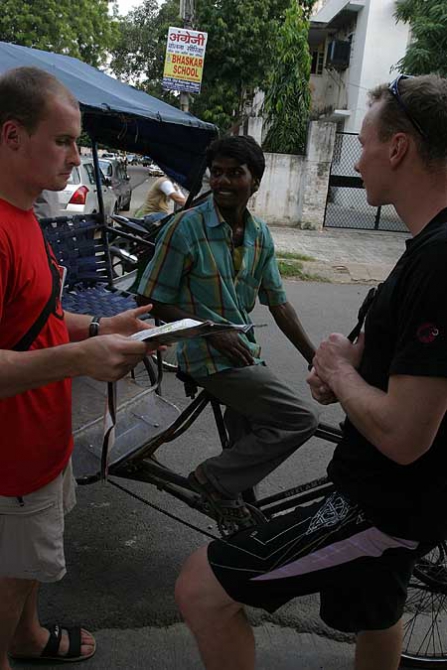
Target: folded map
(185, 329)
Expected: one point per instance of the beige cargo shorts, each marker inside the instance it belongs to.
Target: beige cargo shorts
(32, 530)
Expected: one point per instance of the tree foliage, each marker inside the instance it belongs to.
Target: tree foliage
(427, 51)
(83, 29)
(238, 56)
(138, 56)
(287, 100)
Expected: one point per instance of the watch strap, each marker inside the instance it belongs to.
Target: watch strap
(93, 328)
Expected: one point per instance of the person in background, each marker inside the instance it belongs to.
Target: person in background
(160, 197)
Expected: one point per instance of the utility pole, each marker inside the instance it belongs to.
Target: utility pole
(187, 15)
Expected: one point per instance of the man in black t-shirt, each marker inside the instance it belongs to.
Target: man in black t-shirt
(358, 547)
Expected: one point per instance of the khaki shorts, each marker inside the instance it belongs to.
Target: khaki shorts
(32, 530)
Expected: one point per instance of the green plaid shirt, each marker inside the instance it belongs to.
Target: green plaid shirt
(193, 268)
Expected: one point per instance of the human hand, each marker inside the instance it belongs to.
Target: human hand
(126, 323)
(108, 358)
(319, 390)
(336, 354)
(233, 347)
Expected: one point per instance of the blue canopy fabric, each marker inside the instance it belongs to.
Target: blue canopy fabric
(122, 117)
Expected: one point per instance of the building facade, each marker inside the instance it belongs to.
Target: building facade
(355, 45)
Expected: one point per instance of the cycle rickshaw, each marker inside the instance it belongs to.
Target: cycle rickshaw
(126, 119)
(146, 420)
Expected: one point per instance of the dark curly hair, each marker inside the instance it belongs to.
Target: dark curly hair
(243, 148)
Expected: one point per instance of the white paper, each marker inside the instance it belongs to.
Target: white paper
(185, 329)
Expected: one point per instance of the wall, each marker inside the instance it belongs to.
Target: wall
(320, 150)
(279, 199)
(294, 189)
(379, 44)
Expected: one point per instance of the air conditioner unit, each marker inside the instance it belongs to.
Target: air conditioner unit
(338, 54)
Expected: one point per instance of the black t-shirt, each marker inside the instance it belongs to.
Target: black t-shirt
(405, 333)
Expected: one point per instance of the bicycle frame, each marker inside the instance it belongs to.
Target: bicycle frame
(427, 602)
(424, 629)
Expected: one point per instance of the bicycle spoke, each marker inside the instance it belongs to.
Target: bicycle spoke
(425, 642)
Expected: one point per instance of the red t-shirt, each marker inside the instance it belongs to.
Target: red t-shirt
(35, 426)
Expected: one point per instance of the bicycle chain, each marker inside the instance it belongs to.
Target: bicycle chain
(163, 511)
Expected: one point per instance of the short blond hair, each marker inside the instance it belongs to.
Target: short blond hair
(425, 98)
(24, 94)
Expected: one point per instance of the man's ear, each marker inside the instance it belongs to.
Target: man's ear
(399, 147)
(10, 134)
(255, 186)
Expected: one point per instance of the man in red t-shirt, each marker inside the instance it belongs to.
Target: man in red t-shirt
(39, 124)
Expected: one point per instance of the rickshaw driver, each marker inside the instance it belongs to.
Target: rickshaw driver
(211, 262)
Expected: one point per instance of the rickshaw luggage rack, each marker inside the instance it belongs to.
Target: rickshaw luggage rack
(146, 421)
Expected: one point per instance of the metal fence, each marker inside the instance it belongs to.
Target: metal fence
(346, 205)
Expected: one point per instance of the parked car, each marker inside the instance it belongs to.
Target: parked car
(132, 159)
(80, 194)
(115, 170)
(155, 171)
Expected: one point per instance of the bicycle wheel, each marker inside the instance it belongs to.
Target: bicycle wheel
(425, 616)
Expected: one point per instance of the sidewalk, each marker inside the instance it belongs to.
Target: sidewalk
(344, 256)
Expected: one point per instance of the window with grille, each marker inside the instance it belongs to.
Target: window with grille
(317, 61)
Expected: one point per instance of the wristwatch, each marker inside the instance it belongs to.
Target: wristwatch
(93, 328)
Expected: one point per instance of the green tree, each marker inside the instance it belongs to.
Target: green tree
(241, 39)
(287, 99)
(427, 51)
(238, 57)
(83, 29)
(138, 56)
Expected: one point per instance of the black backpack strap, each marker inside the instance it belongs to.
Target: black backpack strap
(26, 341)
(363, 311)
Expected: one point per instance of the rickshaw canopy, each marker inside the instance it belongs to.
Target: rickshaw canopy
(123, 117)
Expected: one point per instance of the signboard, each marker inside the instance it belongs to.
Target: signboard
(185, 55)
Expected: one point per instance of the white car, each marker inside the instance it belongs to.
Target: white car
(80, 194)
(115, 171)
(155, 171)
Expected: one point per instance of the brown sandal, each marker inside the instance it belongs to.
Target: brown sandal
(231, 514)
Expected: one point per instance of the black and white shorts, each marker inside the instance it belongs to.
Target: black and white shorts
(330, 547)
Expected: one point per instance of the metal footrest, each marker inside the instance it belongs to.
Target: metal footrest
(140, 418)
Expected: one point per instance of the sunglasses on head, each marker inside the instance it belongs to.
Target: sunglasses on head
(394, 90)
